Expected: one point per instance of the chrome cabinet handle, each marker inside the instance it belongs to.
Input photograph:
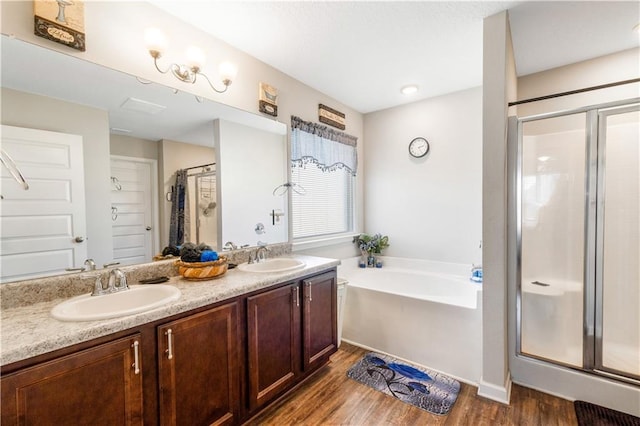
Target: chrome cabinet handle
(310, 297)
(169, 351)
(136, 357)
(297, 296)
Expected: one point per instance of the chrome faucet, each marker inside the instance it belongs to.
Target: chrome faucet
(261, 252)
(117, 282)
(90, 265)
(229, 246)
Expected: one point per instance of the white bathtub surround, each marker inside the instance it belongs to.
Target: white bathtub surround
(424, 312)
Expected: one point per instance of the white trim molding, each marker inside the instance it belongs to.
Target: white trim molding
(494, 392)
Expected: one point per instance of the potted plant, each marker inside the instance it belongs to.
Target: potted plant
(370, 245)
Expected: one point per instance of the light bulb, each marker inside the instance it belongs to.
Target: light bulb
(228, 72)
(155, 40)
(195, 57)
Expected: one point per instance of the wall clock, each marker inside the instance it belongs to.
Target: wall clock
(419, 147)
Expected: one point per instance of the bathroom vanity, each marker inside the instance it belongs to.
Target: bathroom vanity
(226, 350)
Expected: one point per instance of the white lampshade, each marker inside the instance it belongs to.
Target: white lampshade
(155, 40)
(195, 57)
(228, 71)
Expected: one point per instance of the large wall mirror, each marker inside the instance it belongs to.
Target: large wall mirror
(102, 150)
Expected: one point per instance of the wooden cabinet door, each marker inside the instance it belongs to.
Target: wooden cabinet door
(273, 320)
(198, 368)
(319, 319)
(96, 386)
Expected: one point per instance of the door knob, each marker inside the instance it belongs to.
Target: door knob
(79, 239)
(148, 228)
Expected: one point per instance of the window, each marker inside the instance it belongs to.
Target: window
(323, 171)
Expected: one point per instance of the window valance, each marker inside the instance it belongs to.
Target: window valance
(329, 149)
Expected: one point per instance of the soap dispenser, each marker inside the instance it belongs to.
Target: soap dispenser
(476, 273)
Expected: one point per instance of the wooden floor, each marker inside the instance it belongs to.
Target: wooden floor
(330, 398)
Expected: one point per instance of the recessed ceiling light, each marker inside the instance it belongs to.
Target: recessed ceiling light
(409, 90)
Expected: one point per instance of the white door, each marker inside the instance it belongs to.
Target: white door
(42, 229)
(133, 189)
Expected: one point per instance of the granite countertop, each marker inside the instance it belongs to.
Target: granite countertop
(30, 330)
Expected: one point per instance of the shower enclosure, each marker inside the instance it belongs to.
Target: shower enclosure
(578, 239)
(203, 207)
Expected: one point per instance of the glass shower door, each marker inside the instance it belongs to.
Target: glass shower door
(553, 171)
(618, 248)
(578, 231)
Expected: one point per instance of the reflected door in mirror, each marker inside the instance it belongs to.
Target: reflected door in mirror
(43, 228)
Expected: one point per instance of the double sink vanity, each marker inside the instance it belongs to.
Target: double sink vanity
(194, 352)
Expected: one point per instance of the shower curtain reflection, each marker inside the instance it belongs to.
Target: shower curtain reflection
(179, 225)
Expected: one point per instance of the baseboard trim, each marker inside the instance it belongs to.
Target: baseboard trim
(496, 393)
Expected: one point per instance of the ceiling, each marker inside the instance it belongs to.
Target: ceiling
(362, 53)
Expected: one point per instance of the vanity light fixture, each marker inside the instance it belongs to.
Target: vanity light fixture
(195, 58)
(409, 90)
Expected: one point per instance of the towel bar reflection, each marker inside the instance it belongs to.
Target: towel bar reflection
(13, 169)
(282, 189)
(116, 183)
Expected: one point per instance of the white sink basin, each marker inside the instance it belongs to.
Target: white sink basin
(277, 264)
(139, 298)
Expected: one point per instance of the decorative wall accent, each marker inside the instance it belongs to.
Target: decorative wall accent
(61, 21)
(268, 99)
(331, 117)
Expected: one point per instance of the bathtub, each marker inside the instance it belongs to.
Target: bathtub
(428, 313)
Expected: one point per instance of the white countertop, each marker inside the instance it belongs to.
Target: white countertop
(28, 331)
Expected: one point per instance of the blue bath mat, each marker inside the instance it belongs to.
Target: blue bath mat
(426, 389)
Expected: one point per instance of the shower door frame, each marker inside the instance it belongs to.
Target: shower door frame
(594, 191)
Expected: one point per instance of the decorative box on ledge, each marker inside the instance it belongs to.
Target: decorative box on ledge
(202, 270)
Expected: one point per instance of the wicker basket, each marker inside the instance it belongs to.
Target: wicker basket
(202, 270)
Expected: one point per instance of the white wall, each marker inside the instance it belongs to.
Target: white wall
(128, 146)
(499, 84)
(619, 66)
(431, 208)
(250, 169)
